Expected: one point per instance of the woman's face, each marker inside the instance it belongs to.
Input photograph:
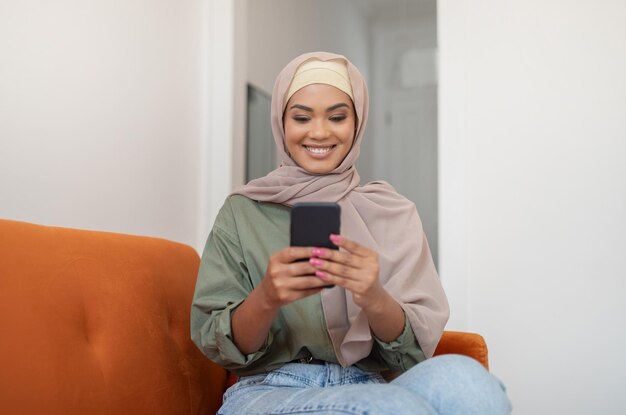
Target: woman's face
(319, 123)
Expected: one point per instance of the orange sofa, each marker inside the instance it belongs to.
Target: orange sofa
(98, 323)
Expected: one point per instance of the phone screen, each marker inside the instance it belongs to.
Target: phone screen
(312, 224)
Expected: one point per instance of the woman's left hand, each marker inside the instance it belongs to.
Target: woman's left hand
(355, 269)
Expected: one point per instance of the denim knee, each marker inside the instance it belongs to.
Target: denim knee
(384, 399)
(455, 384)
(354, 399)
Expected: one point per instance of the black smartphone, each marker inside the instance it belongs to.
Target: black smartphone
(313, 222)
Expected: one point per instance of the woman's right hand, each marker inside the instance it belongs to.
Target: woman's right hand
(287, 279)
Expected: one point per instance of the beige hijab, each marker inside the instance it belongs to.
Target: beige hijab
(374, 215)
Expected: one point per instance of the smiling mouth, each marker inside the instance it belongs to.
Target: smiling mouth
(319, 150)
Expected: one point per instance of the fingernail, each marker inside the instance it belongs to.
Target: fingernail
(315, 261)
(321, 275)
(318, 252)
(335, 238)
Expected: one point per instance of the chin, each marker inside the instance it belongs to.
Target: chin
(318, 169)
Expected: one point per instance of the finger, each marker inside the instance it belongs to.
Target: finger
(354, 286)
(339, 270)
(339, 257)
(300, 268)
(330, 279)
(349, 245)
(310, 282)
(294, 253)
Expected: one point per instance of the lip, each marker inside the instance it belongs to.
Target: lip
(319, 155)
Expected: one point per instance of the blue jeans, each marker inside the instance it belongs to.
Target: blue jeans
(443, 385)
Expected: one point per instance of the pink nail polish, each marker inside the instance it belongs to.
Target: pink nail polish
(335, 238)
(315, 261)
(321, 275)
(318, 252)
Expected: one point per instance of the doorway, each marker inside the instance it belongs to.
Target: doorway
(394, 44)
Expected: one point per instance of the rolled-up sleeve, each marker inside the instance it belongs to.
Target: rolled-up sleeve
(222, 285)
(402, 353)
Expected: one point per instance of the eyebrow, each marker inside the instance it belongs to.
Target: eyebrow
(329, 109)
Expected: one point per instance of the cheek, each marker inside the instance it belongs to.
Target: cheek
(291, 137)
(350, 135)
(293, 131)
(348, 132)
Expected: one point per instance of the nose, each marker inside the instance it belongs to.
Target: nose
(319, 130)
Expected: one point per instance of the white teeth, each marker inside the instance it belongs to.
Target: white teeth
(318, 150)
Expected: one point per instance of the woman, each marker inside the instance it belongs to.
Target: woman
(302, 348)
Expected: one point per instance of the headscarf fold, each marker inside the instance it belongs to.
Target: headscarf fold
(373, 215)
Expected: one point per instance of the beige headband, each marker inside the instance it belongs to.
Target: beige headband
(331, 72)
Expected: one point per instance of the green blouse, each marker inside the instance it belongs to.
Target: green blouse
(244, 235)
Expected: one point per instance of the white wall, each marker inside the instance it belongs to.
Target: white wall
(533, 142)
(101, 114)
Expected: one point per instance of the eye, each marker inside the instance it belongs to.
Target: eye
(300, 118)
(338, 118)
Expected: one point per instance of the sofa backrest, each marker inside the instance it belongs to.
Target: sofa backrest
(94, 322)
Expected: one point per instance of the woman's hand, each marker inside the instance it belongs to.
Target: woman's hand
(355, 269)
(287, 279)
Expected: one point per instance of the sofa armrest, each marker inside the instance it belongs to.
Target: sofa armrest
(468, 344)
